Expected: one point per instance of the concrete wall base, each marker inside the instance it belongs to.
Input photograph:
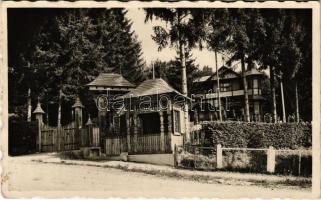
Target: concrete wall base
(91, 152)
(158, 159)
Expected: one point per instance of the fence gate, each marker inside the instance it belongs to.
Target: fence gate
(69, 135)
(59, 138)
(49, 137)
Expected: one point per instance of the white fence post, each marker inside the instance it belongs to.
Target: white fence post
(270, 165)
(219, 157)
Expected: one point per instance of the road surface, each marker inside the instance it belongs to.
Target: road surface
(27, 178)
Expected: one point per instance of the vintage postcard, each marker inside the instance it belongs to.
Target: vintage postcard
(160, 100)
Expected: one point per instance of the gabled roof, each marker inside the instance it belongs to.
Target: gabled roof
(111, 80)
(78, 104)
(38, 109)
(229, 72)
(253, 71)
(225, 73)
(151, 87)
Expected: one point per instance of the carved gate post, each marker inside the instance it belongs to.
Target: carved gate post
(89, 141)
(162, 134)
(39, 114)
(78, 118)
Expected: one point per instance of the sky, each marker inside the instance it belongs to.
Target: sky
(150, 49)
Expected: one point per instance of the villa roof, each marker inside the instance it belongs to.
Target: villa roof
(111, 80)
(229, 72)
(253, 71)
(151, 87)
(225, 73)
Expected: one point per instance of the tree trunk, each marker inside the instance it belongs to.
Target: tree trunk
(273, 95)
(59, 110)
(297, 113)
(183, 67)
(29, 106)
(283, 104)
(184, 79)
(218, 89)
(184, 87)
(246, 96)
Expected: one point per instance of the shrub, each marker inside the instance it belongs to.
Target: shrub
(22, 137)
(257, 135)
(289, 165)
(245, 161)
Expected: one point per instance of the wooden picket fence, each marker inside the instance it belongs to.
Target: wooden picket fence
(96, 138)
(145, 144)
(148, 143)
(116, 145)
(84, 137)
(151, 143)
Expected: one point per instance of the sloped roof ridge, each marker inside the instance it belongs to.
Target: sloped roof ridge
(110, 79)
(151, 87)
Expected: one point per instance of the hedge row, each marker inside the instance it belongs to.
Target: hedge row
(257, 135)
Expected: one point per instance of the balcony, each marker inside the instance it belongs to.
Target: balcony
(232, 93)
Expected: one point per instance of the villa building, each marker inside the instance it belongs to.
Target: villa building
(231, 95)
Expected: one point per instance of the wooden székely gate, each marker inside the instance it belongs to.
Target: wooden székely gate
(62, 138)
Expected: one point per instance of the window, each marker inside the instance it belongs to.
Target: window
(177, 122)
(255, 83)
(225, 87)
(227, 104)
(150, 123)
(122, 124)
(216, 103)
(249, 84)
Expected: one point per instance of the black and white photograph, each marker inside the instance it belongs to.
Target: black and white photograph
(161, 100)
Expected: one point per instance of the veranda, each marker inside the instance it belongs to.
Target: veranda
(150, 121)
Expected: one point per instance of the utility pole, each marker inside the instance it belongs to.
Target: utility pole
(218, 88)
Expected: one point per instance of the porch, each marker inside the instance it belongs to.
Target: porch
(146, 120)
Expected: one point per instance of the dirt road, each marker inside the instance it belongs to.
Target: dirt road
(38, 179)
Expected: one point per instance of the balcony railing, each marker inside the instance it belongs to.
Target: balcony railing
(233, 93)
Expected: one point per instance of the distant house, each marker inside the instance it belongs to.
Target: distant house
(231, 95)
